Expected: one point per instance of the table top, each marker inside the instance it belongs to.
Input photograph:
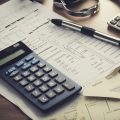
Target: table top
(108, 9)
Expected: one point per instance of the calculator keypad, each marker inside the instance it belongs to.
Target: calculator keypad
(115, 22)
(40, 80)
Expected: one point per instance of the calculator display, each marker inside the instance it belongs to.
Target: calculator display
(11, 56)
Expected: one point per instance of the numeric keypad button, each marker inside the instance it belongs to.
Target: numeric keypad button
(36, 93)
(34, 69)
(43, 88)
(14, 73)
(18, 78)
(41, 65)
(43, 99)
(59, 89)
(31, 78)
(29, 88)
(117, 18)
(47, 69)
(51, 84)
(11, 69)
(37, 83)
(19, 64)
(118, 24)
(60, 79)
(50, 94)
(39, 74)
(25, 74)
(113, 22)
(24, 82)
(53, 74)
(45, 78)
(68, 86)
(26, 66)
(29, 58)
(35, 61)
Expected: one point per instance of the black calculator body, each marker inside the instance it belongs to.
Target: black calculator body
(38, 81)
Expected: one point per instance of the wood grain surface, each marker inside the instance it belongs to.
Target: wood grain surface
(108, 9)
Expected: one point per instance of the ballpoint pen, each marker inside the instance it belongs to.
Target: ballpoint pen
(87, 31)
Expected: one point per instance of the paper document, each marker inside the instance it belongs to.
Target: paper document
(82, 58)
(105, 88)
(91, 109)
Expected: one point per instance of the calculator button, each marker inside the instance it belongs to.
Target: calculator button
(113, 22)
(118, 24)
(50, 94)
(59, 89)
(117, 18)
(19, 64)
(60, 79)
(26, 66)
(14, 73)
(11, 69)
(18, 78)
(30, 57)
(51, 84)
(41, 65)
(68, 86)
(23, 82)
(43, 88)
(47, 69)
(43, 99)
(34, 69)
(53, 74)
(36, 93)
(45, 78)
(37, 83)
(31, 78)
(26, 74)
(39, 74)
(29, 88)
(35, 61)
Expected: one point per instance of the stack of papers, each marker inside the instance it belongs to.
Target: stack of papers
(82, 58)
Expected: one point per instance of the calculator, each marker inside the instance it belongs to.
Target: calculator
(115, 22)
(38, 81)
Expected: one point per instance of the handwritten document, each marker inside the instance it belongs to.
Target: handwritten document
(82, 58)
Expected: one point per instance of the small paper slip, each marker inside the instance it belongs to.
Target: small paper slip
(105, 87)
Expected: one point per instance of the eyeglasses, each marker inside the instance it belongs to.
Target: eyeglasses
(82, 12)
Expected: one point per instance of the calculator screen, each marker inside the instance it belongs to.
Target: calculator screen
(11, 56)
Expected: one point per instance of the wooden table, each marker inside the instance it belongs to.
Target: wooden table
(108, 9)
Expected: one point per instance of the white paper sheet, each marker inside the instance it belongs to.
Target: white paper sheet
(105, 88)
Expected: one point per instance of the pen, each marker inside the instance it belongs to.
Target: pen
(87, 31)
